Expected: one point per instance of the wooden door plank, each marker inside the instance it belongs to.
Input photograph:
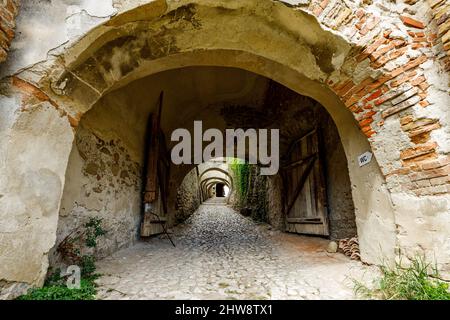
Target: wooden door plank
(301, 183)
(305, 206)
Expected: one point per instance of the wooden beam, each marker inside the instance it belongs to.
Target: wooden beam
(292, 145)
(302, 181)
(298, 162)
(304, 220)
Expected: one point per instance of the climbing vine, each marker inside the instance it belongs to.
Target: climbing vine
(250, 189)
(241, 174)
(74, 245)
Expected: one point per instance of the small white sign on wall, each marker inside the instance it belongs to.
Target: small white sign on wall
(365, 158)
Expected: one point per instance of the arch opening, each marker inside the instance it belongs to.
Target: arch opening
(106, 171)
(96, 81)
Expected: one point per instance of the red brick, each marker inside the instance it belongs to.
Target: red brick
(369, 133)
(348, 85)
(8, 17)
(390, 95)
(317, 11)
(358, 88)
(424, 103)
(423, 85)
(324, 4)
(360, 13)
(11, 7)
(436, 163)
(420, 39)
(414, 152)
(368, 115)
(397, 53)
(400, 107)
(4, 41)
(410, 22)
(31, 90)
(355, 108)
(371, 48)
(406, 119)
(423, 129)
(379, 63)
(374, 56)
(403, 78)
(374, 95)
(418, 80)
(415, 62)
(432, 173)
(366, 128)
(361, 22)
(365, 122)
(3, 54)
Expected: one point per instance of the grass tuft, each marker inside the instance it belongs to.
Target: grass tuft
(418, 281)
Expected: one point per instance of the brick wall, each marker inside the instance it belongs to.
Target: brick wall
(8, 13)
(440, 11)
(394, 52)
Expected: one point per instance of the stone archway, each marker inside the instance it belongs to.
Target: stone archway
(265, 37)
(217, 175)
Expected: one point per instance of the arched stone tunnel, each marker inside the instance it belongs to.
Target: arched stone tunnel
(77, 140)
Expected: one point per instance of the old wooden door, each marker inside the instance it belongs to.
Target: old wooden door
(157, 177)
(305, 194)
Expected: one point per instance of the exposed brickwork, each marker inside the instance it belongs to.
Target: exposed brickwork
(400, 85)
(440, 11)
(8, 13)
(32, 95)
(410, 22)
(382, 80)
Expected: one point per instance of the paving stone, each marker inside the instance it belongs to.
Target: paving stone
(221, 254)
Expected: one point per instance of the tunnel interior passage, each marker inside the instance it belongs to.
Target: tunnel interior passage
(107, 165)
(214, 177)
(78, 123)
(220, 190)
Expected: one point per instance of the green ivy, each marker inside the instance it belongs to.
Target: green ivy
(250, 188)
(241, 173)
(93, 231)
(87, 265)
(55, 287)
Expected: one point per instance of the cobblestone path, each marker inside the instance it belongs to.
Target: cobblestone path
(220, 254)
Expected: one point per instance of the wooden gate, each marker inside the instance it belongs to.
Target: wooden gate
(157, 177)
(304, 185)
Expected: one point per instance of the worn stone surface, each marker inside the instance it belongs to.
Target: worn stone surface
(382, 81)
(188, 197)
(102, 182)
(220, 254)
